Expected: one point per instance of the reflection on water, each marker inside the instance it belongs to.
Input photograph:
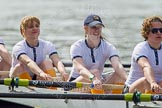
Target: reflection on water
(62, 21)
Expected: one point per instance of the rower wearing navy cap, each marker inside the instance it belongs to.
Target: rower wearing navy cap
(90, 54)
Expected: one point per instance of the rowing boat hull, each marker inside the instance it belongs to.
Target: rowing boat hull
(48, 103)
(64, 103)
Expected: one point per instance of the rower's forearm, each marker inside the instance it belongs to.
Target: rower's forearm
(121, 72)
(34, 68)
(124, 74)
(148, 73)
(85, 73)
(6, 56)
(8, 60)
(13, 74)
(150, 78)
(61, 68)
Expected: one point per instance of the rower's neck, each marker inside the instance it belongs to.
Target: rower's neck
(93, 43)
(155, 46)
(32, 43)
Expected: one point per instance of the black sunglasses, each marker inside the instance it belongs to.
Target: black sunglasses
(155, 30)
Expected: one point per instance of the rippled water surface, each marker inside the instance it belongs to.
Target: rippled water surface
(62, 21)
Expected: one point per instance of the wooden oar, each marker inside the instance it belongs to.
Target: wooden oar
(105, 86)
(3, 73)
(43, 83)
(57, 79)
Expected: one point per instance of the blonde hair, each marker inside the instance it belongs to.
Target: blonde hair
(146, 26)
(26, 21)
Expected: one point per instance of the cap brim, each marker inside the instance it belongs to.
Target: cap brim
(94, 23)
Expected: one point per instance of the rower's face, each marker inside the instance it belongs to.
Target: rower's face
(95, 30)
(32, 30)
(155, 34)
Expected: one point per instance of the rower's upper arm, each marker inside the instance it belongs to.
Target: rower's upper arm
(2, 49)
(143, 62)
(115, 61)
(55, 59)
(23, 58)
(78, 63)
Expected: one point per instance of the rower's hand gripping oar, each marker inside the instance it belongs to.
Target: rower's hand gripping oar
(96, 91)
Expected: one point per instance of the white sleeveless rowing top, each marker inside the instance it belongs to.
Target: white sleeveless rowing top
(154, 57)
(37, 54)
(93, 58)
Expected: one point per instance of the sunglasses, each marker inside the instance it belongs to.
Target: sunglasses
(155, 30)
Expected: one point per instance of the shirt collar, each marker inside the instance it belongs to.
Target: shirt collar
(89, 46)
(31, 46)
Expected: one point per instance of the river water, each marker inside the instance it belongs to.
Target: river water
(62, 21)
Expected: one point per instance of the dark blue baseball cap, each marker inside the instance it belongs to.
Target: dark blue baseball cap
(92, 20)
